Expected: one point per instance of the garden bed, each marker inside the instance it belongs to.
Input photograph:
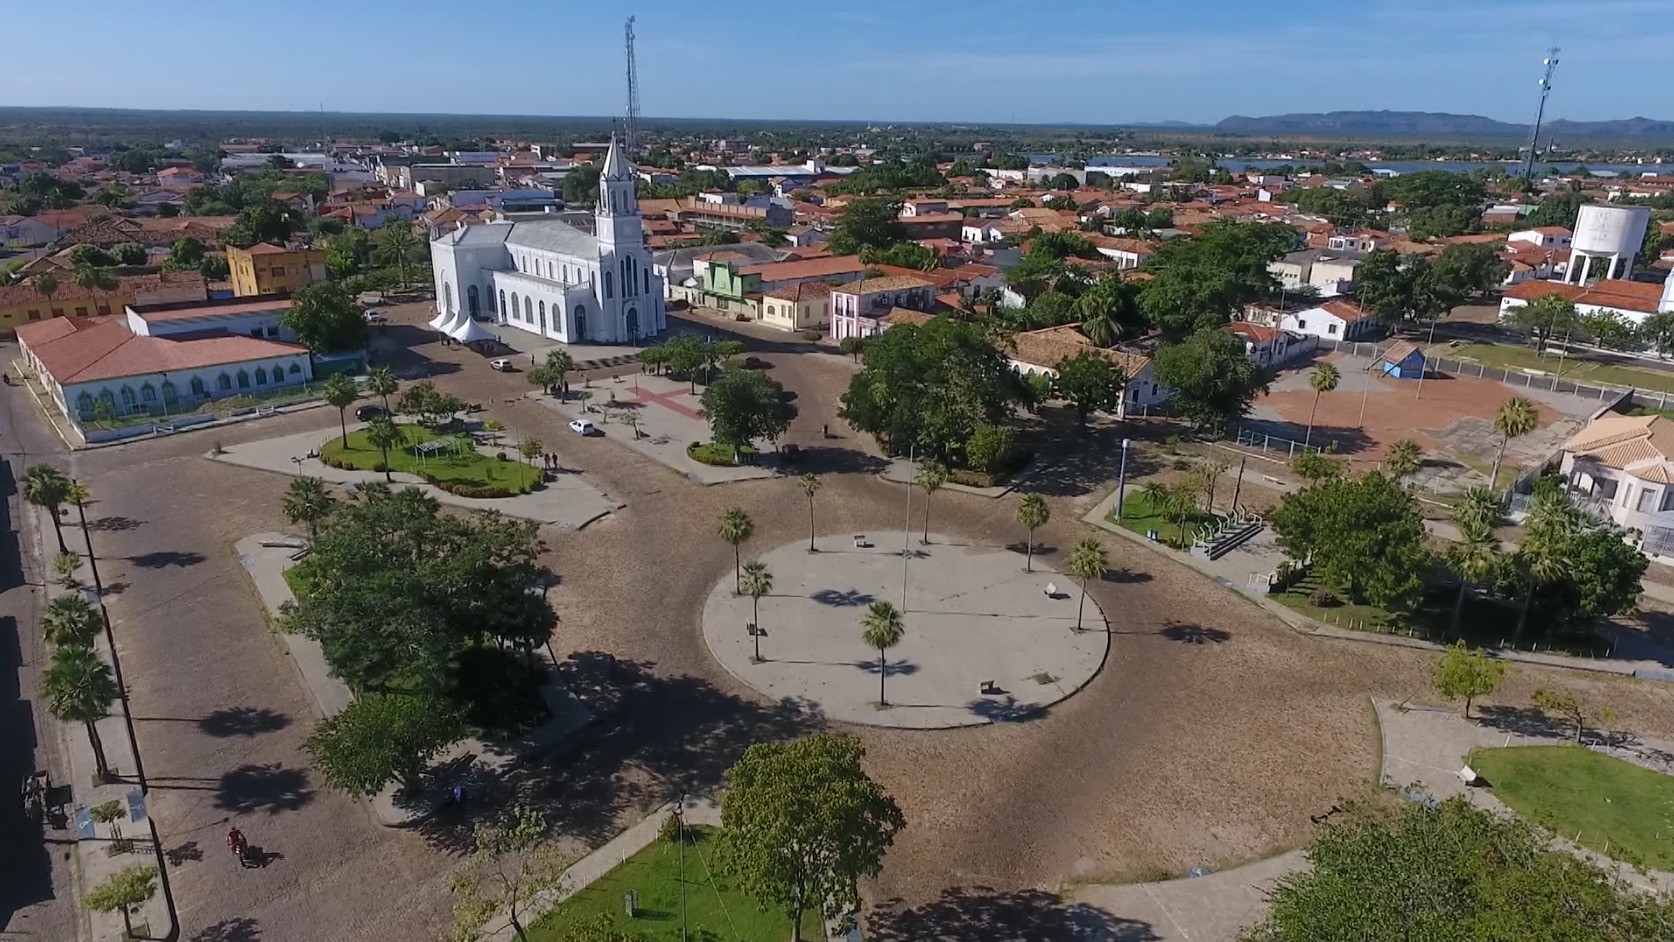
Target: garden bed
(469, 473)
(719, 455)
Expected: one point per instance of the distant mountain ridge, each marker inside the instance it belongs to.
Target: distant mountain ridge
(1432, 123)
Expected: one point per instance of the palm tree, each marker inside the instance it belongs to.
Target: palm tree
(1480, 506)
(382, 382)
(46, 486)
(383, 434)
(95, 280)
(735, 528)
(1475, 556)
(45, 285)
(1543, 557)
(1172, 502)
(881, 628)
(307, 502)
(398, 247)
(757, 583)
(340, 392)
(80, 688)
(560, 363)
(1404, 458)
(1087, 562)
(1515, 419)
(1110, 311)
(931, 476)
(71, 621)
(1032, 513)
(1323, 378)
(810, 484)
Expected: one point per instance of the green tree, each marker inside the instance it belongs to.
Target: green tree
(736, 527)
(123, 892)
(71, 621)
(94, 280)
(308, 502)
(1480, 507)
(1474, 558)
(931, 477)
(383, 434)
(802, 823)
(810, 484)
(383, 738)
(1110, 310)
(509, 864)
(80, 688)
(1210, 379)
(65, 566)
(1516, 418)
(349, 252)
(1464, 674)
(852, 346)
(428, 404)
(398, 248)
(263, 220)
(530, 450)
(325, 318)
(1573, 709)
(560, 362)
(1313, 466)
(989, 448)
(129, 253)
(1323, 378)
(882, 628)
(45, 285)
(1544, 319)
(381, 382)
(1362, 533)
(757, 582)
(1404, 459)
(1032, 514)
(1202, 280)
(1611, 330)
(742, 406)
(340, 394)
(1410, 870)
(47, 487)
(187, 254)
(1087, 562)
(867, 223)
(1090, 381)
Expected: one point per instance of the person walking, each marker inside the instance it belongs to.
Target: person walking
(238, 845)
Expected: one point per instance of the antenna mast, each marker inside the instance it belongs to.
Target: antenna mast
(632, 129)
(1551, 63)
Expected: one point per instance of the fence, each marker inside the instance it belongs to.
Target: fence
(1257, 439)
(1515, 378)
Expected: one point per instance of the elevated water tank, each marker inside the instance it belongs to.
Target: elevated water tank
(1608, 234)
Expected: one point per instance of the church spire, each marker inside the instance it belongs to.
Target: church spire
(617, 212)
(616, 166)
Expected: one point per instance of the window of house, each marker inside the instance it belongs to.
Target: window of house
(148, 393)
(223, 381)
(1605, 488)
(198, 388)
(1330, 328)
(127, 397)
(1647, 500)
(608, 292)
(296, 369)
(81, 311)
(261, 376)
(1667, 499)
(278, 271)
(243, 380)
(34, 314)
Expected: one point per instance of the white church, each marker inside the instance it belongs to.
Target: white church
(553, 279)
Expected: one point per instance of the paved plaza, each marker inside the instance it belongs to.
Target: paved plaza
(657, 417)
(973, 619)
(568, 502)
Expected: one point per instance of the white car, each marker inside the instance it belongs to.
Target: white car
(373, 317)
(583, 427)
(503, 365)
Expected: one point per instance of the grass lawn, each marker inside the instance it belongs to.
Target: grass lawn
(713, 909)
(469, 467)
(1139, 515)
(1578, 369)
(1617, 808)
(715, 453)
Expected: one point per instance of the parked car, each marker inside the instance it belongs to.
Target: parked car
(503, 365)
(584, 427)
(368, 413)
(373, 317)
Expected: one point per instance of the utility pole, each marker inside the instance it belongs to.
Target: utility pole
(1551, 63)
(907, 539)
(631, 131)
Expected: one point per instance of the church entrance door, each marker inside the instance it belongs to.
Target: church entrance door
(471, 301)
(633, 324)
(580, 327)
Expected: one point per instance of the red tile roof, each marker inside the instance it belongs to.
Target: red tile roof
(103, 348)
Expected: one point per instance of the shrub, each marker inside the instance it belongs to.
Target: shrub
(741, 317)
(1173, 443)
(500, 456)
(480, 491)
(811, 335)
(1324, 598)
(988, 447)
(670, 829)
(380, 467)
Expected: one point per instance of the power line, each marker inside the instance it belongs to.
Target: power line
(1551, 63)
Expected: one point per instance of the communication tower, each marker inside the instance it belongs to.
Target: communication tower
(1551, 63)
(631, 131)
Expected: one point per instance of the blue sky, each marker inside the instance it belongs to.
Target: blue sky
(1095, 61)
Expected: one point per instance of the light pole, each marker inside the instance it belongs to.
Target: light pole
(907, 530)
(1424, 357)
(1122, 480)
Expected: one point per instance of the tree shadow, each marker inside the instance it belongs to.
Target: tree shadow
(114, 523)
(983, 914)
(1348, 439)
(115, 588)
(843, 598)
(1523, 721)
(181, 853)
(1193, 634)
(240, 929)
(891, 668)
(271, 788)
(652, 737)
(1125, 576)
(243, 721)
(25, 863)
(166, 558)
(1022, 549)
(1074, 462)
(829, 459)
(1005, 710)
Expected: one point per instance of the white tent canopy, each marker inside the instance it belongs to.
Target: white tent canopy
(466, 330)
(440, 320)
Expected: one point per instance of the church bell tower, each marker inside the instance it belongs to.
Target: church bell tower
(617, 219)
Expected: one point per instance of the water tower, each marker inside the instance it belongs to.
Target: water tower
(1612, 233)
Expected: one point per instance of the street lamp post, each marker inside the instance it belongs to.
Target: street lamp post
(1122, 479)
(1424, 358)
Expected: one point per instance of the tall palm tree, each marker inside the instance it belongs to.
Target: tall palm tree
(383, 434)
(757, 583)
(1110, 311)
(398, 248)
(46, 486)
(308, 502)
(1475, 556)
(735, 528)
(1404, 459)
(882, 628)
(95, 280)
(1031, 514)
(1543, 557)
(381, 382)
(560, 363)
(810, 484)
(1086, 562)
(930, 478)
(1324, 377)
(71, 621)
(46, 285)
(1480, 506)
(80, 688)
(340, 392)
(1515, 419)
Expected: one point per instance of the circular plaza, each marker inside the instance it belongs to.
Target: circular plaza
(982, 640)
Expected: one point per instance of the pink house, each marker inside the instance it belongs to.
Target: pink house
(858, 308)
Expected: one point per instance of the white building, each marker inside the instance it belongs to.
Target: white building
(553, 279)
(1632, 301)
(1623, 465)
(1333, 320)
(1543, 237)
(1038, 353)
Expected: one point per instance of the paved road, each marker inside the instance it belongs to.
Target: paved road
(35, 877)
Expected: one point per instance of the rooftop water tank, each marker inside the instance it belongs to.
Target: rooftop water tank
(1611, 230)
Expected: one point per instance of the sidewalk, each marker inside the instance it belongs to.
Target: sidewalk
(266, 556)
(94, 840)
(586, 871)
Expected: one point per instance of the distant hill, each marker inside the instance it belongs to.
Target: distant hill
(1436, 124)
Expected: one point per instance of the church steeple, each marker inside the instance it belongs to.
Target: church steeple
(617, 213)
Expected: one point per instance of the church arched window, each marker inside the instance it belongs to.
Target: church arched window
(645, 274)
(607, 285)
(514, 306)
(502, 300)
(447, 297)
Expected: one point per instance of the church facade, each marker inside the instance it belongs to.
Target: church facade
(553, 279)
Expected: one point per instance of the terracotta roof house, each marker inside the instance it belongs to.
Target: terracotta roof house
(1632, 301)
(1623, 466)
(1038, 352)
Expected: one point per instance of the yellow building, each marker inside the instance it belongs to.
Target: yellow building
(23, 303)
(264, 268)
